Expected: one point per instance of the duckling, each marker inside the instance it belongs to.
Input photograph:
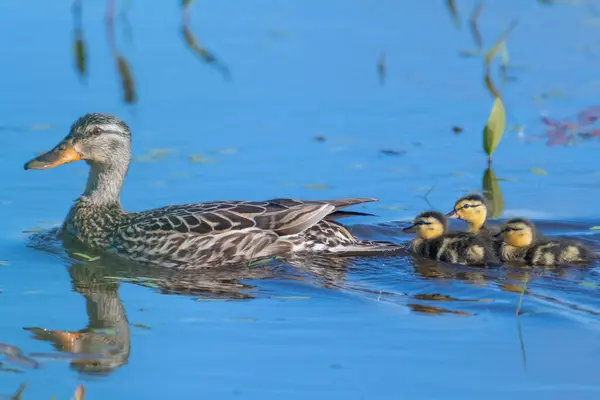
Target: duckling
(472, 209)
(434, 241)
(521, 242)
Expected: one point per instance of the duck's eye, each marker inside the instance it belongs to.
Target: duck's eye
(466, 206)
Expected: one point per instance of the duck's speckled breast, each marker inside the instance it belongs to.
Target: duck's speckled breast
(92, 224)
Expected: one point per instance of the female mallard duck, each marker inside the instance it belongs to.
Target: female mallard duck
(520, 242)
(434, 241)
(190, 235)
(472, 209)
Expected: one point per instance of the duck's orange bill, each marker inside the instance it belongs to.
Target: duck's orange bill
(61, 154)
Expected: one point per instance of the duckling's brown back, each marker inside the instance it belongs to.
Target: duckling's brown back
(559, 252)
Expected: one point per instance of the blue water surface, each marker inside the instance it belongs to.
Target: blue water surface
(298, 71)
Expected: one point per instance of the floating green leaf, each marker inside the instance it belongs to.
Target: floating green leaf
(492, 133)
(3, 263)
(129, 95)
(160, 152)
(538, 171)
(317, 187)
(88, 258)
(489, 56)
(199, 158)
(590, 284)
(595, 228)
(493, 193)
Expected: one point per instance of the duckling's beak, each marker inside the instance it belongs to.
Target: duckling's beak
(61, 154)
(498, 235)
(452, 214)
(410, 228)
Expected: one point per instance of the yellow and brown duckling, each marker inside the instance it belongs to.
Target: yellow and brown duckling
(472, 209)
(433, 240)
(521, 242)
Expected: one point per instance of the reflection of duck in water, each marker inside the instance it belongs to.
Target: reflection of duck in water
(521, 242)
(434, 241)
(192, 235)
(105, 343)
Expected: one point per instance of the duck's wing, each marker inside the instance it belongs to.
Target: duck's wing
(281, 216)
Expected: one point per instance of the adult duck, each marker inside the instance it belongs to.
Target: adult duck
(190, 235)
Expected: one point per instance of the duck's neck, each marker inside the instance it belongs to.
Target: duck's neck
(105, 182)
(477, 223)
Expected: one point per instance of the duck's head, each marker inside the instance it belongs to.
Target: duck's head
(97, 138)
(518, 232)
(472, 209)
(428, 225)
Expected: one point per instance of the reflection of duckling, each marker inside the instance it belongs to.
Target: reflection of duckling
(472, 209)
(434, 241)
(520, 242)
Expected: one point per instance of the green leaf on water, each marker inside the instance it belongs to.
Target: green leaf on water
(3, 263)
(209, 299)
(492, 133)
(225, 151)
(538, 171)
(595, 228)
(493, 193)
(489, 56)
(292, 297)
(87, 257)
(589, 284)
(160, 152)
(199, 158)
(317, 187)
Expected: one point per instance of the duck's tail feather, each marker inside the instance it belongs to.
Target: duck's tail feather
(344, 214)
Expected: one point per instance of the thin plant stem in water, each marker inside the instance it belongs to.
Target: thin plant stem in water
(522, 342)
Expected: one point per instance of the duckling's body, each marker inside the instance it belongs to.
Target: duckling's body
(434, 241)
(520, 243)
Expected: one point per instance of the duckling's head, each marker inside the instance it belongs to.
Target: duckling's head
(518, 232)
(429, 225)
(96, 138)
(472, 209)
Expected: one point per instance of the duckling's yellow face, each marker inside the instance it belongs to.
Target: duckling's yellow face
(517, 234)
(474, 212)
(428, 228)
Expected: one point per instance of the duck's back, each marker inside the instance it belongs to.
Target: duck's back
(559, 252)
(457, 248)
